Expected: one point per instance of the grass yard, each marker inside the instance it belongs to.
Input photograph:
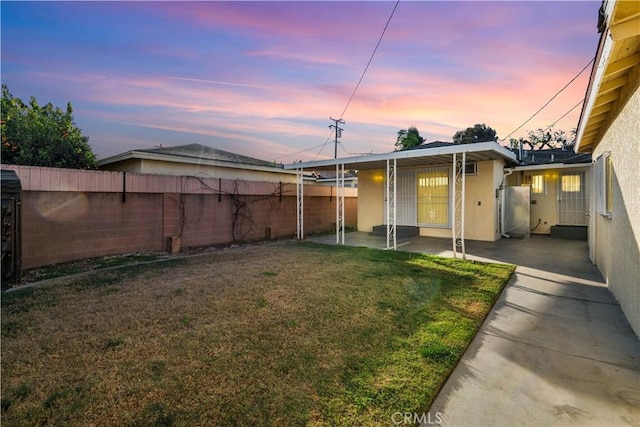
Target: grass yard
(277, 334)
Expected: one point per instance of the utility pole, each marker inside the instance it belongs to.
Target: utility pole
(338, 133)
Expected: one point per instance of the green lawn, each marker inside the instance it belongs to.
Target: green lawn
(278, 334)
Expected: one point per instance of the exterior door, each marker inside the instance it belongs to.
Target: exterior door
(405, 198)
(572, 199)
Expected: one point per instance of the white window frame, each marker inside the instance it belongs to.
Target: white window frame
(471, 168)
(603, 178)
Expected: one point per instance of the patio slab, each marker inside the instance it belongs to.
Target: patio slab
(555, 350)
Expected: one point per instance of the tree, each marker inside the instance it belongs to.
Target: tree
(408, 138)
(42, 135)
(478, 133)
(541, 138)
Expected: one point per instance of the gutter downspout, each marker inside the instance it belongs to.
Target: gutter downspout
(508, 171)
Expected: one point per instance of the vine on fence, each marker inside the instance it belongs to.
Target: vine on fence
(243, 221)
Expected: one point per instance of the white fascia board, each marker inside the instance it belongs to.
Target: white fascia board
(549, 166)
(409, 154)
(600, 64)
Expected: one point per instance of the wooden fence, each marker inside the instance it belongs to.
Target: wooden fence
(73, 214)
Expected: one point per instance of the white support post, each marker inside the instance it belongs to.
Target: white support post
(464, 180)
(340, 204)
(300, 204)
(342, 223)
(391, 205)
(453, 206)
(459, 194)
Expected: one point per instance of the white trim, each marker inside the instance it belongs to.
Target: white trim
(411, 154)
(549, 166)
(599, 65)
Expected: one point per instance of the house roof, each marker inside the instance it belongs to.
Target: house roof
(415, 157)
(191, 153)
(617, 56)
(554, 156)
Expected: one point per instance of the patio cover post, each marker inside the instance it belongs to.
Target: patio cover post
(464, 180)
(300, 203)
(458, 209)
(453, 207)
(340, 203)
(391, 204)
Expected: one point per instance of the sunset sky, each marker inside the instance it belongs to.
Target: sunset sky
(262, 78)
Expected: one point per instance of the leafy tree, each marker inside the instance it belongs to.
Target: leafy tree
(477, 133)
(42, 135)
(408, 138)
(541, 138)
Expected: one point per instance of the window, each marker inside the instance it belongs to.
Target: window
(537, 184)
(471, 169)
(608, 184)
(571, 183)
(433, 197)
(604, 183)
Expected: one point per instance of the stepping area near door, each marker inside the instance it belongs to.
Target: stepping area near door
(555, 350)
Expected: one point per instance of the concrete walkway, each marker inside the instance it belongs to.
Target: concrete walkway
(555, 350)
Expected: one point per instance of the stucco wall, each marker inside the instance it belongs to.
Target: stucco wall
(481, 205)
(617, 239)
(370, 199)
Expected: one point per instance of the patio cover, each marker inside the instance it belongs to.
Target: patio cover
(456, 154)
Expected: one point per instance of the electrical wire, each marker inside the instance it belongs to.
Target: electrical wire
(353, 94)
(565, 114)
(549, 101)
(370, 59)
(325, 144)
(298, 152)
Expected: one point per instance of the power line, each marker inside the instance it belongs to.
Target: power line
(565, 114)
(370, 59)
(302, 151)
(549, 101)
(324, 145)
(321, 146)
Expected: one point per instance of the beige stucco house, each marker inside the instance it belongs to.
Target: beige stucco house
(609, 129)
(438, 189)
(196, 159)
(559, 182)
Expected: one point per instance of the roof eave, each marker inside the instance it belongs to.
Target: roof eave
(353, 162)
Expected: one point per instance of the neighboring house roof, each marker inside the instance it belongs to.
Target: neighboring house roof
(434, 144)
(618, 54)
(554, 156)
(191, 153)
(331, 175)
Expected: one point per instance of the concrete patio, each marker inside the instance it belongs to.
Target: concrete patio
(555, 350)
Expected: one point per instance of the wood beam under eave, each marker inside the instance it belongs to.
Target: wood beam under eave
(593, 129)
(626, 29)
(606, 99)
(597, 119)
(591, 136)
(622, 65)
(612, 85)
(601, 109)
